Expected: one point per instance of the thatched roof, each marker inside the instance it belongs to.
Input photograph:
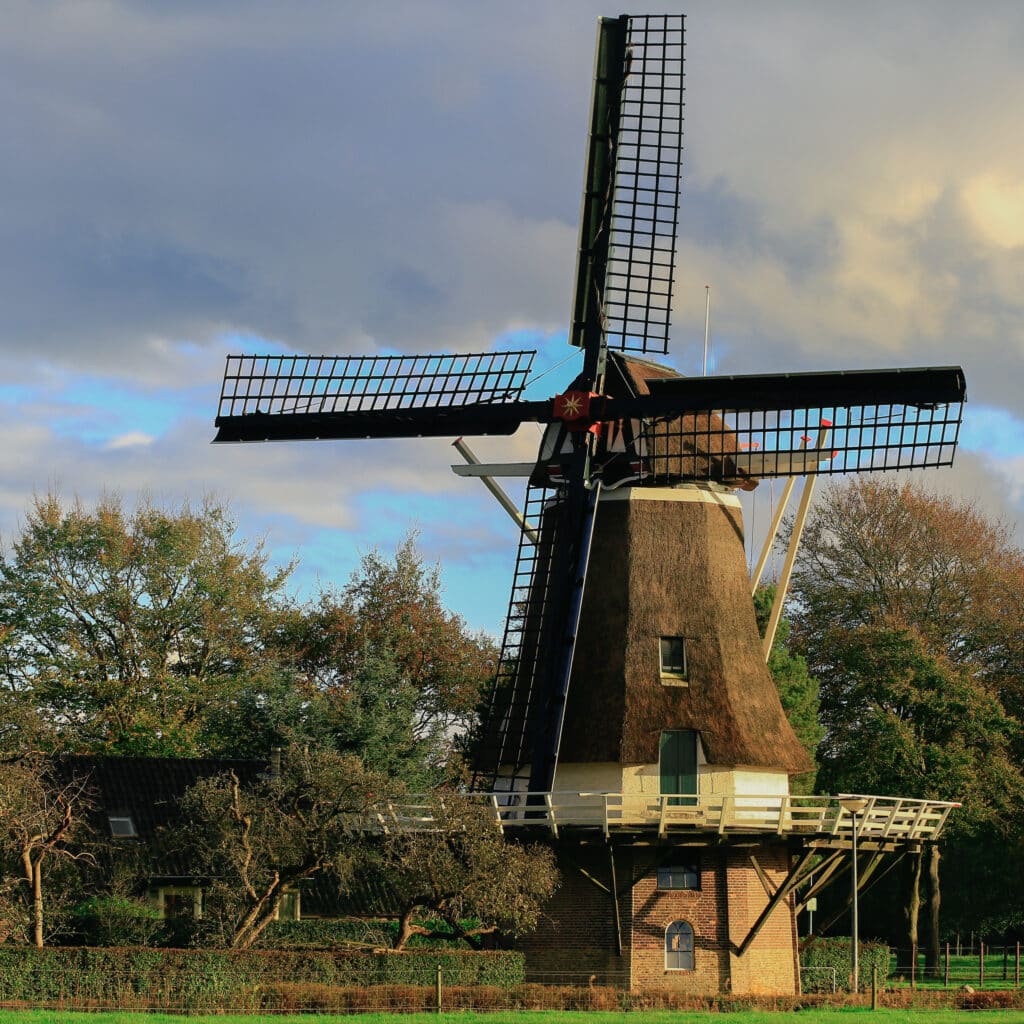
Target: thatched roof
(691, 447)
(667, 567)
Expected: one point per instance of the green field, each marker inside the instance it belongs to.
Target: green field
(841, 1016)
(963, 970)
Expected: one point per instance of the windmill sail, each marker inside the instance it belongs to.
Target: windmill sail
(645, 198)
(630, 209)
(268, 398)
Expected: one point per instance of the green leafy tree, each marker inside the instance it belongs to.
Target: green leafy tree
(463, 874)
(385, 658)
(119, 630)
(798, 689)
(258, 840)
(905, 606)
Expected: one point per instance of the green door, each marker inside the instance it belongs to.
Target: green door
(679, 765)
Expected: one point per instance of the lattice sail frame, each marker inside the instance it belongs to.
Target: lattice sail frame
(645, 198)
(286, 385)
(730, 445)
(506, 738)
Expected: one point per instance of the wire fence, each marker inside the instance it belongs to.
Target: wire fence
(580, 992)
(980, 966)
(985, 971)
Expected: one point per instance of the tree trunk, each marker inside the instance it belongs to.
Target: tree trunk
(933, 889)
(258, 917)
(406, 929)
(37, 903)
(911, 910)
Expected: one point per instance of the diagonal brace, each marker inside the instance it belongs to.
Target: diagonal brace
(796, 874)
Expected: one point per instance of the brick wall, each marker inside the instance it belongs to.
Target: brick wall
(576, 939)
(703, 909)
(769, 966)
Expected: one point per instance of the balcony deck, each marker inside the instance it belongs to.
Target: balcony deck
(885, 819)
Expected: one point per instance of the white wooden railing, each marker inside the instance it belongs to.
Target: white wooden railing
(883, 817)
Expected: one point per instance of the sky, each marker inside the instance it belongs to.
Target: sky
(185, 180)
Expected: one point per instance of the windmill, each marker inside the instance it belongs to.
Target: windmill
(631, 640)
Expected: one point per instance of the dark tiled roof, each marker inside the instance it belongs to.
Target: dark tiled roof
(147, 790)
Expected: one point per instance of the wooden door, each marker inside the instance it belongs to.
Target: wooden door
(678, 766)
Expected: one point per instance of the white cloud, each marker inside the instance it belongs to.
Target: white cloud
(133, 439)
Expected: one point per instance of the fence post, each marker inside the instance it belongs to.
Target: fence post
(981, 964)
(945, 978)
(874, 987)
(437, 991)
(913, 966)
(1006, 959)
(1016, 968)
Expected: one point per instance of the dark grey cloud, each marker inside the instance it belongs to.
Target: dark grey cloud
(334, 176)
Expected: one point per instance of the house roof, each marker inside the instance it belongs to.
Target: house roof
(146, 791)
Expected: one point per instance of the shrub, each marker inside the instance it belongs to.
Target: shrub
(116, 921)
(312, 933)
(346, 933)
(823, 955)
(209, 979)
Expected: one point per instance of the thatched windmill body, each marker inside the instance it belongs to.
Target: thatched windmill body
(633, 718)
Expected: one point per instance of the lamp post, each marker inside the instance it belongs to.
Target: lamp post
(854, 805)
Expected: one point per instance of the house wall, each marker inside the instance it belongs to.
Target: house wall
(611, 777)
(653, 910)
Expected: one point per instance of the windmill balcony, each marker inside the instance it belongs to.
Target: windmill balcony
(884, 819)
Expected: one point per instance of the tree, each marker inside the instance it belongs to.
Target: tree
(462, 870)
(119, 630)
(387, 659)
(904, 608)
(878, 552)
(42, 828)
(257, 839)
(798, 689)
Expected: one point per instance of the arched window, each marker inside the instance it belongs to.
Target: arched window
(679, 947)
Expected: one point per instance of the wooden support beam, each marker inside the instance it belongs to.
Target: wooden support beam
(782, 586)
(795, 876)
(615, 902)
(588, 876)
(825, 870)
(862, 887)
(766, 882)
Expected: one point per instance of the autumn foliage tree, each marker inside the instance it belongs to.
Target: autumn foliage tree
(907, 610)
(426, 668)
(43, 828)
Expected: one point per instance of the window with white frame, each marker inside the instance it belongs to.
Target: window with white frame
(679, 946)
(121, 826)
(176, 902)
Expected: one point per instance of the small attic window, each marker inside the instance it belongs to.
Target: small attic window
(673, 659)
(121, 826)
(679, 876)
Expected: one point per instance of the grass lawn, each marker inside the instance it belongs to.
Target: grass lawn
(841, 1016)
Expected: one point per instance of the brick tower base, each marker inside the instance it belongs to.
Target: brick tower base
(717, 891)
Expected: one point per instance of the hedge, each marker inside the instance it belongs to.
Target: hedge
(823, 954)
(180, 978)
(346, 933)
